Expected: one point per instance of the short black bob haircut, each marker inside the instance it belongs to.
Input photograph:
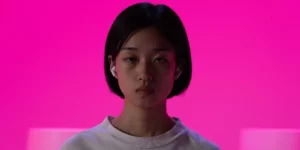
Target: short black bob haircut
(167, 22)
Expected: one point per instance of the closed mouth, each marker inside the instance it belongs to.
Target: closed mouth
(145, 90)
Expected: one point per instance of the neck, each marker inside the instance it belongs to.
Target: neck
(142, 122)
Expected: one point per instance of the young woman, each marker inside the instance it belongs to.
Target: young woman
(147, 61)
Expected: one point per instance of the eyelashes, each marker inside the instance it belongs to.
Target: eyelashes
(130, 59)
(156, 60)
(160, 60)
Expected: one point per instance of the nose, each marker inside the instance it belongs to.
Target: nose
(145, 77)
(145, 72)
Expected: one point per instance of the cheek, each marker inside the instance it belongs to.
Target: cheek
(124, 79)
(165, 70)
(165, 75)
(165, 81)
(121, 69)
(122, 73)
(124, 84)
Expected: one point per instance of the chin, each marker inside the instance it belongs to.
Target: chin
(147, 102)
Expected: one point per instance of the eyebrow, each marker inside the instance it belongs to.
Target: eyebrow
(155, 49)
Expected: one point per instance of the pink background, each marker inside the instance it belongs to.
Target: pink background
(245, 60)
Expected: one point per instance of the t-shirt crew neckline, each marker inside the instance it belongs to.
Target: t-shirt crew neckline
(145, 142)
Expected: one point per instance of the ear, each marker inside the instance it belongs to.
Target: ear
(112, 66)
(178, 72)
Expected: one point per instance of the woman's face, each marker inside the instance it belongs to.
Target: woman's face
(145, 68)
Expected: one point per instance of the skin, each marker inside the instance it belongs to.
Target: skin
(145, 59)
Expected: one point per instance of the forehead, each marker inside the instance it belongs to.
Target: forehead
(148, 38)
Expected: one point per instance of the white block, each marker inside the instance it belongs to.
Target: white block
(49, 138)
(270, 139)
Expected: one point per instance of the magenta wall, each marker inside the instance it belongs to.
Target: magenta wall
(245, 60)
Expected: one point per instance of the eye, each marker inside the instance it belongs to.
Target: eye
(160, 60)
(130, 59)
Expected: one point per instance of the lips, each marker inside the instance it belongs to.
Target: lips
(145, 90)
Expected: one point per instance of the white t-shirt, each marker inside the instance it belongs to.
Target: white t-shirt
(106, 137)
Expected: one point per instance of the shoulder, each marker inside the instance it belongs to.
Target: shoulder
(77, 141)
(80, 141)
(202, 142)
